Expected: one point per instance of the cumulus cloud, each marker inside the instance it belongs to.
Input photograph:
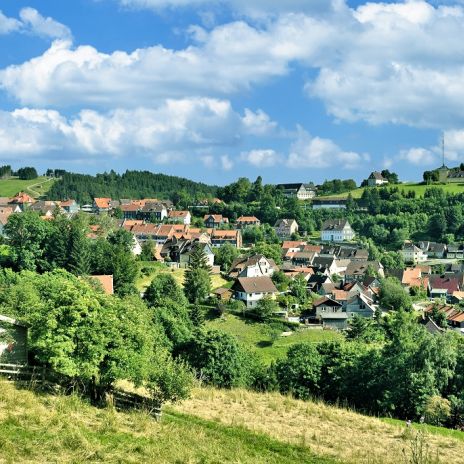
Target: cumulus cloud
(319, 153)
(226, 163)
(32, 22)
(41, 26)
(396, 63)
(172, 131)
(419, 156)
(261, 158)
(8, 25)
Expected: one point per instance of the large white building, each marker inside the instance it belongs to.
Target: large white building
(300, 191)
(413, 254)
(337, 230)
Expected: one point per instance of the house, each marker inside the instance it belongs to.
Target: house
(316, 281)
(412, 254)
(13, 341)
(443, 286)
(214, 221)
(303, 258)
(130, 211)
(153, 212)
(22, 200)
(330, 203)
(102, 205)
(285, 228)
(328, 264)
(221, 237)
(300, 191)
(251, 290)
(353, 254)
(335, 321)
(376, 179)
(253, 266)
(180, 217)
(106, 283)
(357, 271)
(70, 206)
(433, 249)
(337, 230)
(179, 251)
(455, 251)
(247, 221)
(325, 305)
(5, 213)
(361, 305)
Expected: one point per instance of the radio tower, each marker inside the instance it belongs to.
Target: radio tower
(443, 148)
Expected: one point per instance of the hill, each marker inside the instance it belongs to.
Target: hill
(132, 184)
(408, 187)
(36, 187)
(214, 426)
(44, 428)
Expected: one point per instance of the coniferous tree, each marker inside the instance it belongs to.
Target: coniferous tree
(79, 257)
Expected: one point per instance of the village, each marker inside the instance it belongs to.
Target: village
(324, 281)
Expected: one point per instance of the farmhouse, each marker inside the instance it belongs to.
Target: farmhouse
(376, 179)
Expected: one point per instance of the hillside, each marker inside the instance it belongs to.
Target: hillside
(36, 187)
(328, 431)
(132, 184)
(408, 187)
(45, 428)
(214, 426)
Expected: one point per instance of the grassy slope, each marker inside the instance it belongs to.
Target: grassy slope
(157, 268)
(326, 430)
(46, 429)
(10, 187)
(256, 336)
(419, 189)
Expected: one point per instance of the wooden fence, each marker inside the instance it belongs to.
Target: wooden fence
(121, 400)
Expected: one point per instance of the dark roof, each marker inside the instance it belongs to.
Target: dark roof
(326, 301)
(335, 224)
(296, 186)
(451, 284)
(355, 268)
(255, 285)
(377, 176)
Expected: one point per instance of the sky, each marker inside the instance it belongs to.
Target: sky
(213, 90)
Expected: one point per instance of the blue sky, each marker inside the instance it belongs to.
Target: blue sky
(301, 90)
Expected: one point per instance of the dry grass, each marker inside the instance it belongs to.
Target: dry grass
(64, 429)
(328, 431)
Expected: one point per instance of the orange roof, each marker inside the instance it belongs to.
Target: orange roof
(106, 282)
(102, 203)
(22, 197)
(225, 233)
(340, 295)
(179, 214)
(458, 295)
(312, 248)
(459, 317)
(412, 277)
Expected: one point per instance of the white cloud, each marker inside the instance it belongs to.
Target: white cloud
(261, 158)
(226, 163)
(419, 156)
(258, 123)
(38, 25)
(228, 59)
(8, 25)
(174, 130)
(319, 153)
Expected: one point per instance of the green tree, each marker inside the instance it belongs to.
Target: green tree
(300, 372)
(79, 257)
(198, 258)
(298, 288)
(161, 288)
(225, 255)
(265, 308)
(197, 285)
(393, 296)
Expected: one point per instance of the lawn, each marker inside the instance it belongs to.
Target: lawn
(154, 269)
(407, 187)
(40, 186)
(257, 336)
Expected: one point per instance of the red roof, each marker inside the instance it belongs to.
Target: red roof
(102, 203)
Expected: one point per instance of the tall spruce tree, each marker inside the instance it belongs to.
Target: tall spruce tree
(197, 284)
(79, 257)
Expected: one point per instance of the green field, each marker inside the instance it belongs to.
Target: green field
(154, 269)
(35, 188)
(408, 187)
(256, 336)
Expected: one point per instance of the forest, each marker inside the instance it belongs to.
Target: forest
(131, 184)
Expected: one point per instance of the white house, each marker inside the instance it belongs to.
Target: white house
(337, 230)
(180, 217)
(300, 191)
(376, 179)
(285, 228)
(251, 290)
(254, 266)
(413, 254)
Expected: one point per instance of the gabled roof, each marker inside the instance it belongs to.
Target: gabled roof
(224, 234)
(255, 285)
(448, 283)
(326, 301)
(102, 203)
(247, 219)
(178, 214)
(377, 176)
(334, 224)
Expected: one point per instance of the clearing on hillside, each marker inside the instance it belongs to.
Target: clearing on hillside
(35, 187)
